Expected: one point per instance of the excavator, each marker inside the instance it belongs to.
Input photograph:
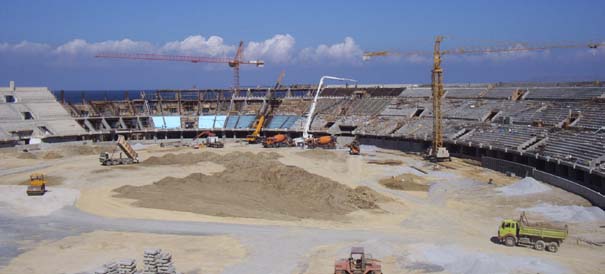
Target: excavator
(255, 137)
(107, 159)
(211, 140)
(354, 148)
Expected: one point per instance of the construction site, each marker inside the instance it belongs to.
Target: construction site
(341, 178)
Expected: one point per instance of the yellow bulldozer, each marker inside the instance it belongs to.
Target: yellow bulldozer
(37, 184)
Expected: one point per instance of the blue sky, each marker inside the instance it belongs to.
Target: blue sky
(52, 43)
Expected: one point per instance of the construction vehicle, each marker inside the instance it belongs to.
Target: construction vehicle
(358, 263)
(37, 184)
(539, 236)
(265, 110)
(255, 137)
(234, 62)
(210, 140)
(305, 136)
(437, 152)
(126, 149)
(354, 148)
(327, 141)
(279, 140)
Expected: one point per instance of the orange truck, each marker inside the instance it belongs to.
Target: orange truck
(279, 140)
(322, 142)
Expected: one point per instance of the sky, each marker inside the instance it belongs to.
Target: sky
(53, 43)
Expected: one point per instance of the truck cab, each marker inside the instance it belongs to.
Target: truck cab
(508, 229)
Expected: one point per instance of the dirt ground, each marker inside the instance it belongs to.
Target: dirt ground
(90, 251)
(281, 211)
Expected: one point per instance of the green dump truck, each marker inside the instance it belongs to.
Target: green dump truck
(539, 236)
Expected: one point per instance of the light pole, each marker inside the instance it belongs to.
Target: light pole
(312, 110)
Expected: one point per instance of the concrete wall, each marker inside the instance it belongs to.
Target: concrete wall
(594, 197)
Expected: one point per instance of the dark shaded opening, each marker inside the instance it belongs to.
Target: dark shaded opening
(418, 112)
(27, 115)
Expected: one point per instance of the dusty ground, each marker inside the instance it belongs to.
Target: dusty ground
(191, 253)
(446, 228)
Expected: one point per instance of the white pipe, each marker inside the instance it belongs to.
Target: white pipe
(310, 115)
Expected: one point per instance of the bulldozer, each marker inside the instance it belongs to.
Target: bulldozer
(358, 263)
(37, 184)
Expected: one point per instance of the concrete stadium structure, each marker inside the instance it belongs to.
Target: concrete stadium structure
(555, 128)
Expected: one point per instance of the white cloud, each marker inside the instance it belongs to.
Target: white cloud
(277, 49)
(347, 52)
(25, 47)
(199, 45)
(80, 46)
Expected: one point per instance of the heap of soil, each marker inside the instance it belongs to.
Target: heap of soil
(51, 155)
(389, 162)
(407, 182)
(252, 186)
(27, 155)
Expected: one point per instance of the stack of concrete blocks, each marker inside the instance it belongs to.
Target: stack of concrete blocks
(109, 268)
(158, 262)
(164, 263)
(150, 257)
(127, 266)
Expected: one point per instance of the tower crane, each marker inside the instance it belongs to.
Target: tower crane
(234, 62)
(438, 152)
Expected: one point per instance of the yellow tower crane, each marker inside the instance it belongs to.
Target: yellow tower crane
(438, 152)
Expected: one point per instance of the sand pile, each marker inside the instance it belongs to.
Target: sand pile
(525, 186)
(27, 155)
(389, 162)
(568, 214)
(51, 155)
(407, 182)
(252, 186)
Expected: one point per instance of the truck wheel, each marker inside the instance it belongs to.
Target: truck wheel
(539, 245)
(509, 241)
(552, 247)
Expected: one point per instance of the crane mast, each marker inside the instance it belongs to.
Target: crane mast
(437, 152)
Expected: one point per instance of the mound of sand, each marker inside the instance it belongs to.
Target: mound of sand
(234, 158)
(252, 186)
(407, 182)
(51, 155)
(389, 162)
(27, 155)
(525, 186)
(568, 214)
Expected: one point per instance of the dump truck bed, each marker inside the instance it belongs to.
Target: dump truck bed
(542, 232)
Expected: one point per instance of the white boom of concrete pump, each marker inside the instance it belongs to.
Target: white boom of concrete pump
(312, 110)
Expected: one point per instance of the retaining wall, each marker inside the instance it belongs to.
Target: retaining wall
(594, 197)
